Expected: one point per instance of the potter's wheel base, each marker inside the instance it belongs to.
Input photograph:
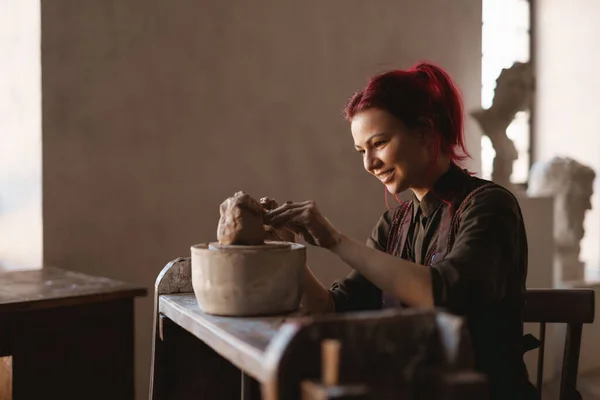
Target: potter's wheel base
(237, 280)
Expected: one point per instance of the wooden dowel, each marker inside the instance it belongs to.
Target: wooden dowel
(330, 361)
(6, 378)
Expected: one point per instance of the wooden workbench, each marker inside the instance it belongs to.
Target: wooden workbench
(66, 335)
(197, 355)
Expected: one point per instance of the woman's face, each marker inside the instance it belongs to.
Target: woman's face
(395, 155)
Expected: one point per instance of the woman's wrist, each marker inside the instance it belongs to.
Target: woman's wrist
(316, 298)
(338, 243)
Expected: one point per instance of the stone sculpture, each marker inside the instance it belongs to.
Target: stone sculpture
(514, 88)
(571, 185)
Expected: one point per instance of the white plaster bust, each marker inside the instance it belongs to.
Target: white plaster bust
(571, 185)
(514, 88)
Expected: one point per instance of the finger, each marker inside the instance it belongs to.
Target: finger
(287, 235)
(303, 232)
(307, 236)
(288, 205)
(287, 216)
(280, 212)
(274, 235)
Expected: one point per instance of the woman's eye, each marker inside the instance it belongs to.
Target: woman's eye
(378, 144)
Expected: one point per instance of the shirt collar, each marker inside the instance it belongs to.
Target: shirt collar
(441, 191)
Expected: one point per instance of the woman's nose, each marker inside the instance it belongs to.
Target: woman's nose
(371, 162)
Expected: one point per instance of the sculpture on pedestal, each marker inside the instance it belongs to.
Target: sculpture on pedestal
(514, 88)
(571, 185)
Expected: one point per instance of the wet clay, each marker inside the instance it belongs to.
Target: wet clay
(241, 221)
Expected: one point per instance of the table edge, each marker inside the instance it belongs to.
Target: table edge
(73, 300)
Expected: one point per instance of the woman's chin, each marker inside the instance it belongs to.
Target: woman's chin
(395, 188)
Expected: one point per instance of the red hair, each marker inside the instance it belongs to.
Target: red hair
(423, 95)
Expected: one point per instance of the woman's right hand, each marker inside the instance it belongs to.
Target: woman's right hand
(275, 234)
(306, 220)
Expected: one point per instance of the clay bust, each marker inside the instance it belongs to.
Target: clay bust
(514, 88)
(241, 221)
(571, 185)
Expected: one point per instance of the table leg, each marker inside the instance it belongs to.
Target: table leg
(250, 387)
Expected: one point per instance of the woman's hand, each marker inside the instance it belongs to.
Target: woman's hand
(280, 234)
(305, 220)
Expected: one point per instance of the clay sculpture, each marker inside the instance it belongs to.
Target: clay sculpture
(241, 221)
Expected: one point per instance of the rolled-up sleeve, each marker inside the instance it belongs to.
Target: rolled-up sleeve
(355, 292)
(475, 272)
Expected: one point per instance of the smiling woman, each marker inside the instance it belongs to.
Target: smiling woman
(459, 244)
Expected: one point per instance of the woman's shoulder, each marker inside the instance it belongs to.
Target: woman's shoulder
(484, 193)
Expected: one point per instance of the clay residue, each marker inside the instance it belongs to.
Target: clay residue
(269, 204)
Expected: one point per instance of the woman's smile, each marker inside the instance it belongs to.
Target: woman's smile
(385, 176)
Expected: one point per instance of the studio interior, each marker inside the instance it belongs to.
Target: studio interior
(141, 140)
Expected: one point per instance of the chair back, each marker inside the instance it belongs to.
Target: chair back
(573, 307)
(385, 354)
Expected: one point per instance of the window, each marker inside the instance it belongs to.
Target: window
(505, 40)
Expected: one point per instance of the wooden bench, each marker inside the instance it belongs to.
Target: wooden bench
(375, 354)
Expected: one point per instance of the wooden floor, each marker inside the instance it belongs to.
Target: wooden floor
(588, 385)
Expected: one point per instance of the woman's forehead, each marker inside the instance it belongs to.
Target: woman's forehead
(371, 121)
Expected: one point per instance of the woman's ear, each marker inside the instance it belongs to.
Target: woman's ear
(425, 130)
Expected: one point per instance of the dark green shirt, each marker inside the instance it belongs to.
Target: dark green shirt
(481, 276)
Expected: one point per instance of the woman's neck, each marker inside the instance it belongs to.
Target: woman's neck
(430, 177)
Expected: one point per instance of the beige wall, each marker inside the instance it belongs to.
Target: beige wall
(20, 135)
(156, 111)
(567, 117)
(568, 83)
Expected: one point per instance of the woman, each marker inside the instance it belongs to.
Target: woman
(460, 244)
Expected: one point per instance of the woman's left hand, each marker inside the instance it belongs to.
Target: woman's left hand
(305, 220)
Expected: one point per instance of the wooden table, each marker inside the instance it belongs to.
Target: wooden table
(200, 356)
(66, 335)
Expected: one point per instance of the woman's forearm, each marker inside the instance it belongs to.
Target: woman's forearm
(409, 282)
(316, 298)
